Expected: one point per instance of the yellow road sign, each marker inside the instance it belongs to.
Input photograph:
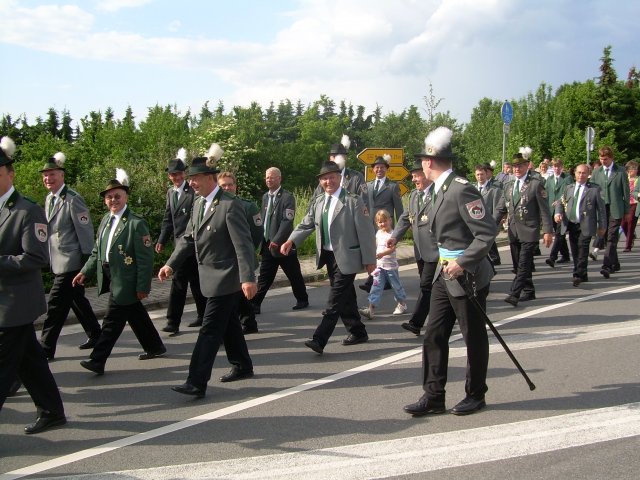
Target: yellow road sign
(369, 155)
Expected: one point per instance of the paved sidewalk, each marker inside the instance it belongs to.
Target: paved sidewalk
(159, 296)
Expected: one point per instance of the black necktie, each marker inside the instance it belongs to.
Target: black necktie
(575, 211)
(375, 189)
(176, 197)
(105, 236)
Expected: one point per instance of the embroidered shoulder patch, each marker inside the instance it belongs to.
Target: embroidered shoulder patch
(476, 209)
(289, 213)
(257, 220)
(41, 231)
(83, 218)
(461, 180)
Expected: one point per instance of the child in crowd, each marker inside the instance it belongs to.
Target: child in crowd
(386, 269)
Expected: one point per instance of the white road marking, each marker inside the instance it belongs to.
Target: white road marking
(167, 429)
(412, 455)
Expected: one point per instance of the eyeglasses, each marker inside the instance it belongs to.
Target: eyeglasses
(109, 198)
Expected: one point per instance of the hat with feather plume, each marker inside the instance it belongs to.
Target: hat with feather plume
(208, 163)
(437, 144)
(383, 160)
(55, 163)
(342, 147)
(7, 149)
(523, 156)
(179, 163)
(121, 181)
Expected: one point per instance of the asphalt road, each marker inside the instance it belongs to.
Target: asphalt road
(340, 415)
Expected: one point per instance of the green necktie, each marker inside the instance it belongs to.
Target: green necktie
(52, 202)
(201, 215)
(575, 211)
(516, 193)
(420, 201)
(267, 223)
(325, 223)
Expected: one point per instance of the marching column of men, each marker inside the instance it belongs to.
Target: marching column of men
(216, 235)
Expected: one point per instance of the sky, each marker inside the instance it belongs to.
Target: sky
(89, 55)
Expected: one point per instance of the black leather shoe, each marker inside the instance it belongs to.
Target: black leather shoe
(551, 263)
(196, 323)
(468, 405)
(45, 422)
(236, 374)
(563, 260)
(188, 389)
(605, 273)
(511, 300)
(615, 268)
(315, 346)
(424, 406)
(300, 306)
(411, 327)
(90, 343)
(577, 281)
(354, 340)
(249, 330)
(170, 328)
(93, 365)
(150, 355)
(13, 389)
(527, 296)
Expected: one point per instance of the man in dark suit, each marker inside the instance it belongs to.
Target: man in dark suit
(278, 212)
(614, 187)
(555, 185)
(180, 197)
(493, 198)
(122, 259)
(227, 182)
(528, 209)
(219, 235)
(345, 243)
(23, 255)
(425, 248)
(463, 232)
(70, 243)
(582, 213)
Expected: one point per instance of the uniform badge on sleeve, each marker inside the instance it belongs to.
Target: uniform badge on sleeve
(289, 213)
(83, 218)
(146, 240)
(257, 220)
(365, 211)
(41, 231)
(476, 209)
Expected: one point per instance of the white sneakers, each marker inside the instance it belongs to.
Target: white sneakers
(366, 312)
(400, 309)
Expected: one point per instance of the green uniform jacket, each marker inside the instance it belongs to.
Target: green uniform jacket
(614, 190)
(130, 258)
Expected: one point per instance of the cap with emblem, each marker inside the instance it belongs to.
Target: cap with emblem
(7, 149)
(438, 145)
(121, 181)
(523, 156)
(208, 163)
(417, 165)
(178, 164)
(55, 163)
(384, 160)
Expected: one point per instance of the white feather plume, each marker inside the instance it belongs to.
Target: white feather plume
(215, 152)
(387, 158)
(59, 158)
(437, 140)
(492, 163)
(526, 152)
(8, 146)
(182, 155)
(122, 177)
(345, 141)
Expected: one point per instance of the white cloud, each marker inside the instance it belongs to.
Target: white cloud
(115, 5)
(175, 26)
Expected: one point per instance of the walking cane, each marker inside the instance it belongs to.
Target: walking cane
(471, 296)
